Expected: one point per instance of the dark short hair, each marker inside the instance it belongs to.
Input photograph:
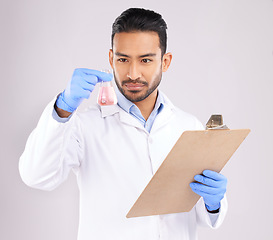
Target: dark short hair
(139, 19)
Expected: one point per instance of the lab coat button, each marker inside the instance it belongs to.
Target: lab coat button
(150, 140)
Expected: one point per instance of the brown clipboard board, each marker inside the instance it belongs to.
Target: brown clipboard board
(169, 191)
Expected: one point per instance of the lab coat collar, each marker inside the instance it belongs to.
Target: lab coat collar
(125, 117)
(167, 113)
(168, 102)
(109, 110)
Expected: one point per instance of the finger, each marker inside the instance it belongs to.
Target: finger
(207, 181)
(200, 193)
(80, 82)
(86, 94)
(79, 77)
(214, 175)
(206, 189)
(102, 76)
(88, 85)
(208, 198)
(91, 79)
(82, 93)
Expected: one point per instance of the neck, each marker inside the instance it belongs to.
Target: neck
(147, 105)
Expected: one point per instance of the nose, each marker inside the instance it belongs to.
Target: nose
(134, 71)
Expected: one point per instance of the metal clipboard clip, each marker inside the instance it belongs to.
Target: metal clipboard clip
(215, 122)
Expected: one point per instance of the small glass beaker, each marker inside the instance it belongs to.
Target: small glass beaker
(107, 95)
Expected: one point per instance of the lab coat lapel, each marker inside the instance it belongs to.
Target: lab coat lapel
(163, 118)
(128, 119)
(167, 113)
(108, 110)
(124, 117)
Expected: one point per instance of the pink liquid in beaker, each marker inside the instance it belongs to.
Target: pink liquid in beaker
(107, 96)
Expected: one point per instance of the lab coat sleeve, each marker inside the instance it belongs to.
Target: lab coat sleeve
(204, 217)
(52, 150)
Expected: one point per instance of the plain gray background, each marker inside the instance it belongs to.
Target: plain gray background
(223, 63)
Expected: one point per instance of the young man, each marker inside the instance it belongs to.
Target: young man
(115, 150)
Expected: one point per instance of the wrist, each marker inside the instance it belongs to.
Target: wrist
(214, 211)
(61, 104)
(61, 113)
(213, 208)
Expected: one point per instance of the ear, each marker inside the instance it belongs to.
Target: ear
(111, 58)
(166, 61)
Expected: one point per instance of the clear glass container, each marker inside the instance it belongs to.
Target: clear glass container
(107, 95)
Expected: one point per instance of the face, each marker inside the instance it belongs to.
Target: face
(137, 64)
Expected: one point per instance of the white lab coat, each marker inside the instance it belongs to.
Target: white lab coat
(114, 158)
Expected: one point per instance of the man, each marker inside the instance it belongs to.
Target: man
(115, 150)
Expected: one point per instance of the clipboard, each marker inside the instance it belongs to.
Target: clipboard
(169, 191)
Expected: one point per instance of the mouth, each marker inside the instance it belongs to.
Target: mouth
(134, 86)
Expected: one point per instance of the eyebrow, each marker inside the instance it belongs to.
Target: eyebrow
(141, 56)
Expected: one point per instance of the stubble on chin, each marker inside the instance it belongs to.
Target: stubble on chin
(136, 96)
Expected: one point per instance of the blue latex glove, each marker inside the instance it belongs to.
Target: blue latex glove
(81, 85)
(212, 187)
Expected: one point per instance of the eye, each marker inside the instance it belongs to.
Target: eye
(146, 60)
(122, 60)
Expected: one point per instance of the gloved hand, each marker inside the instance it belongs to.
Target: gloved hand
(81, 85)
(212, 187)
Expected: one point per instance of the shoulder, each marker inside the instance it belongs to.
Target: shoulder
(188, 118)
(184, 118)
(92, 110)
(92, 115)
